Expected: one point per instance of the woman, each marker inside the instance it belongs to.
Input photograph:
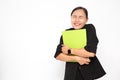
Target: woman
(86, 65)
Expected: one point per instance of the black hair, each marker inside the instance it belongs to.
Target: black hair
(84, 9)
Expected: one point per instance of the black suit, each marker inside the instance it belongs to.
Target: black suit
(89, 72)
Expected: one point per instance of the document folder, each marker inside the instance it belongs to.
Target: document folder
(75, 38)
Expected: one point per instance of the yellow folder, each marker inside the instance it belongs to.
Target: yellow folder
(75, 38)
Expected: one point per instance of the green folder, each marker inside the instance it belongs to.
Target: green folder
(75, 38)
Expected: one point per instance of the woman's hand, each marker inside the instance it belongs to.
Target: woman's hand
(65, 49)
(82, 60)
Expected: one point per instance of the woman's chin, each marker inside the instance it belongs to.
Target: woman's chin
(77, 27)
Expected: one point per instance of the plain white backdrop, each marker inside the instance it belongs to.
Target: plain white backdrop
(30, 31)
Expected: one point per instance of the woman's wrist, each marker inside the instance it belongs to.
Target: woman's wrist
(73, 51)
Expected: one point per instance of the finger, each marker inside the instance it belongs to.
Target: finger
(91, 54)
(86, 63)
(81, 63)
(88, 60)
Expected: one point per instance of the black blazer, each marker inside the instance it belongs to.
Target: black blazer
(92, 71)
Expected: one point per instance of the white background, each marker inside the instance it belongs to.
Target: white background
(30, 31)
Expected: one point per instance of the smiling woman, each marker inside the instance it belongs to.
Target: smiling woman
(82, 64)
(79, 17)
(30, 31)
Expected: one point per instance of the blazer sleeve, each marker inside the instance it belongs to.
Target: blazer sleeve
(59, 46)
(92, 39)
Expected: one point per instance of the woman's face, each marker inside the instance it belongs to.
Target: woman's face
(78, 19)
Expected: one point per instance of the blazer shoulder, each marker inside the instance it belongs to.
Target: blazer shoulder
(90, 25)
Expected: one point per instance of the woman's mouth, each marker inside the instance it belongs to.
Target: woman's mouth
(77, 24)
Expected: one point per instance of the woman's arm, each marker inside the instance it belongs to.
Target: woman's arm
(82, 53)
(59, 55)
(78, 52)
(68, 58)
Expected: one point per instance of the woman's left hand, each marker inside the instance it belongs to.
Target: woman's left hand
(65, 49)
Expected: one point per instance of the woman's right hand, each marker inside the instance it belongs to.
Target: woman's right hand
(82, 60)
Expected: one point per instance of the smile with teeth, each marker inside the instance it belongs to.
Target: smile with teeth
(77, 24)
